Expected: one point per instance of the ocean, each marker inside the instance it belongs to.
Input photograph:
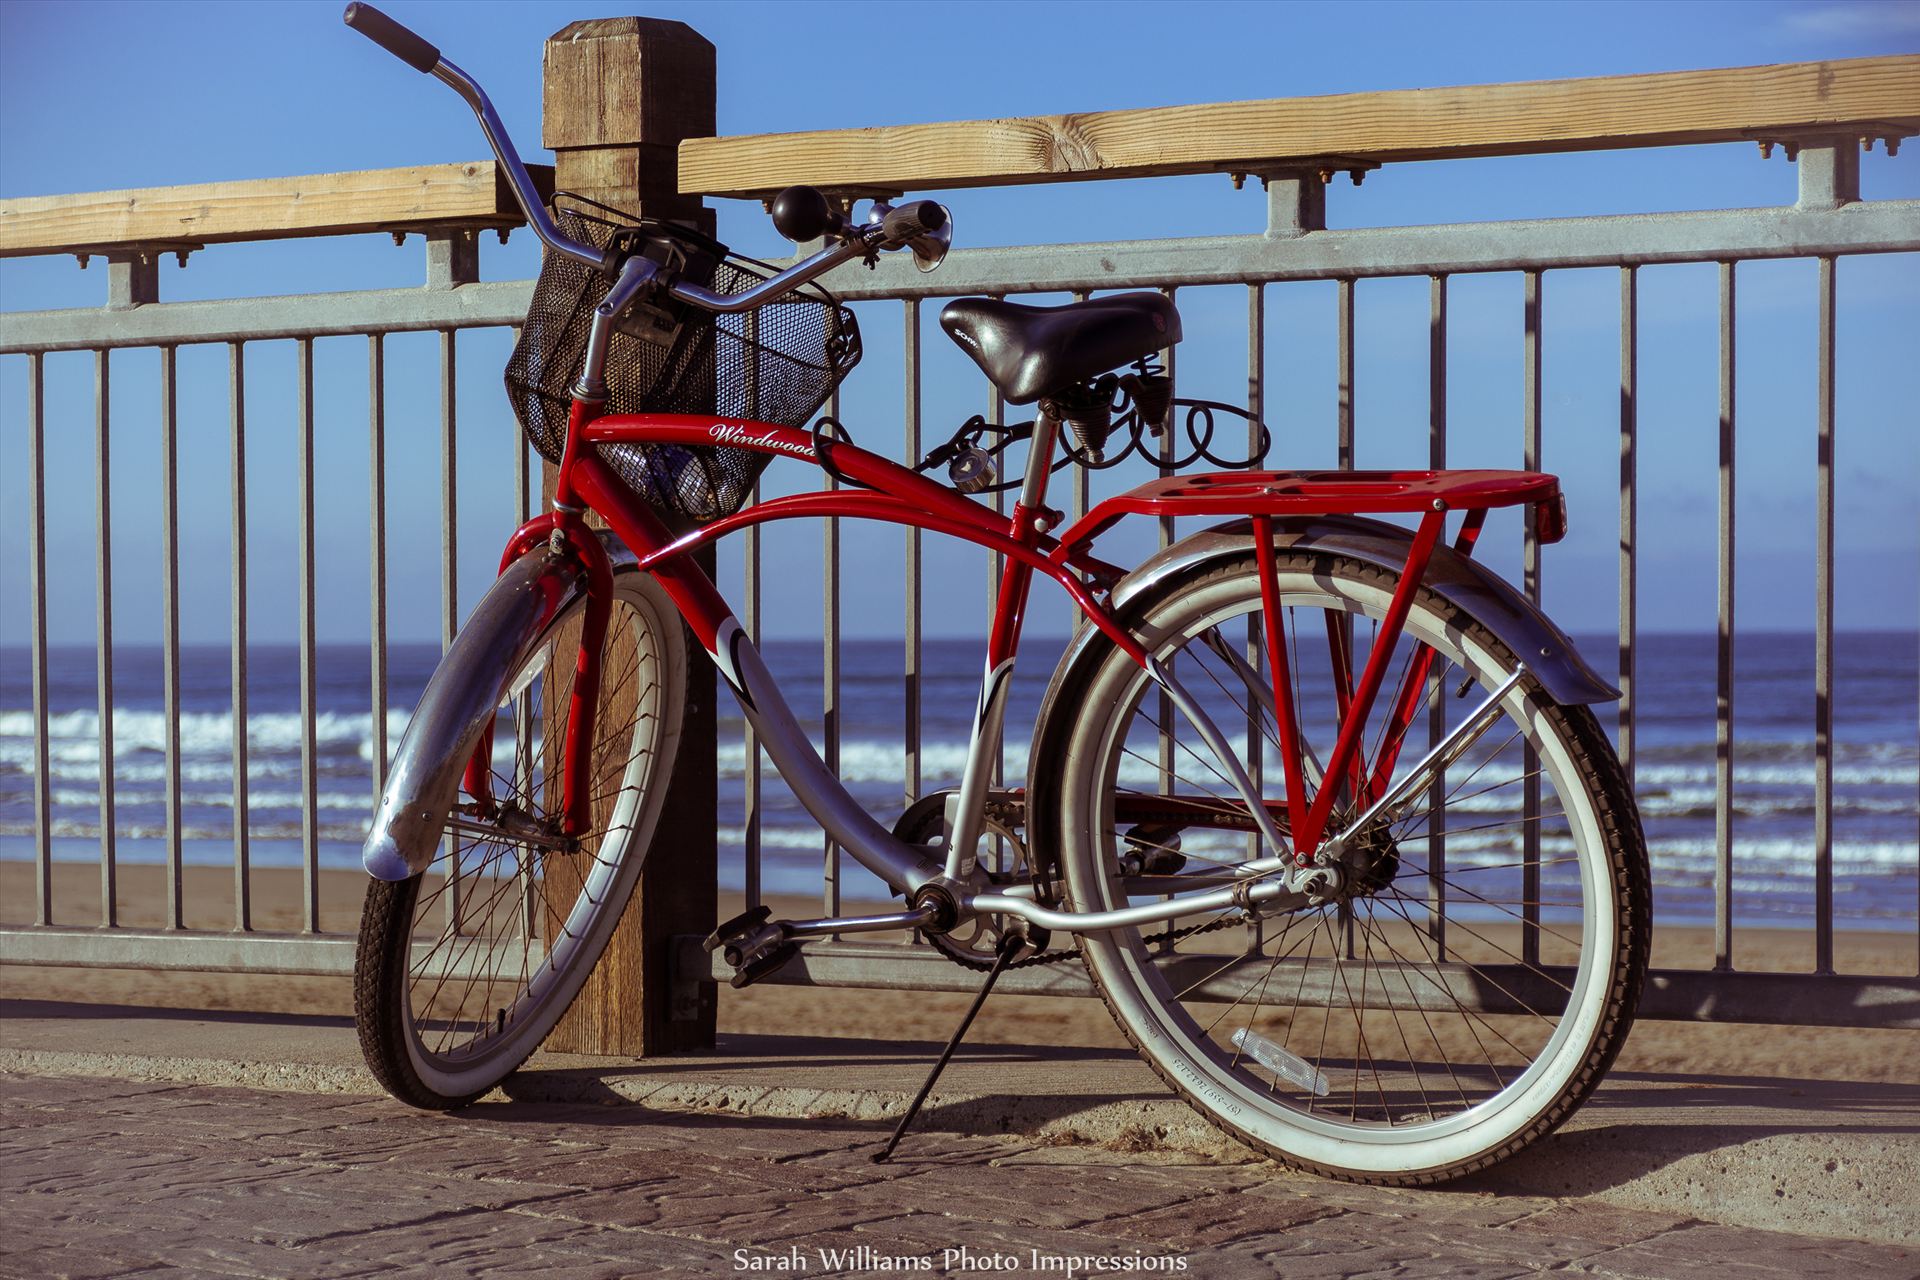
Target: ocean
(1876, 760)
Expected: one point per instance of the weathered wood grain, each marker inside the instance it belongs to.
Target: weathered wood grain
(1857, 96)
(322, 204)
(619, 94)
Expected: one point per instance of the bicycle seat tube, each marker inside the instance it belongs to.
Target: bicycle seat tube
(1002, 644)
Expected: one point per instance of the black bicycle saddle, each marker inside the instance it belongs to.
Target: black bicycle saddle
(1029, 352)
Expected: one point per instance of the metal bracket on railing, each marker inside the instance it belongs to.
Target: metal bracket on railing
(453, 249)
(453, 254)
(1297, 190)
(1829, 163)
(133, 271)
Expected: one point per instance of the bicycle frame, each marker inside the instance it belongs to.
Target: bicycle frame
(1293, 829)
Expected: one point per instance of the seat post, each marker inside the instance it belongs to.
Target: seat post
(1033, 489)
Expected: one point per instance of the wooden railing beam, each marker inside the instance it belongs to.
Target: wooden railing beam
(1865, 98)
(426, 197)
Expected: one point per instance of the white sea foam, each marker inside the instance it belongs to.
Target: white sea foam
(74, 736)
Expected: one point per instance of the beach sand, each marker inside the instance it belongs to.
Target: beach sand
(1822, 1053)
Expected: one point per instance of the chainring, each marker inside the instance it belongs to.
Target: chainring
(975, 943)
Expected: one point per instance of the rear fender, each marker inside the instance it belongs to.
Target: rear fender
(506, 631)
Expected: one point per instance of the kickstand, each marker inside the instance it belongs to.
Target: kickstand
(1010, 944)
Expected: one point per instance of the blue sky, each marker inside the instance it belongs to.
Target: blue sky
(102, 96)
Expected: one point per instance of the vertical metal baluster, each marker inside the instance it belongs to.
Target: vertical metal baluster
(911, 782)
(523, 721)
(242, 761)
(1344, 325)
(103, 636)
(1823, 642)
(1082, 487)
(750, 841)
(42, 781)
(996, 412)
(1165, 709)
(830, 673)
(377, 539)
(309, 709)
(1530, 554)
(1256, 737)
(1344, 361)
(449, 570)
(1629, 510)
(1723, 659)
(1437, 714)
(170, 622)
(449, 494)
(1168, 725)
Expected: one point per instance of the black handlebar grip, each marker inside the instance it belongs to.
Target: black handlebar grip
(910, 220)
(391, 36)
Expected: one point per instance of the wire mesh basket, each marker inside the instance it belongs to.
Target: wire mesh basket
(777, 363)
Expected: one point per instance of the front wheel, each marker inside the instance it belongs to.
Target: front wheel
(463, 970)
(1477, 968)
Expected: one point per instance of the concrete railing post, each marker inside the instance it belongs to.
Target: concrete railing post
(620, 95)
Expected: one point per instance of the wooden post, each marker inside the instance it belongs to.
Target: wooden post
(620, 95)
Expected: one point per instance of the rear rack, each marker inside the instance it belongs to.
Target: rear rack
(1320, 493)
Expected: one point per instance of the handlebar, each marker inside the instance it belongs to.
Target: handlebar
(391, 36)
(895, 229)
(417, 53)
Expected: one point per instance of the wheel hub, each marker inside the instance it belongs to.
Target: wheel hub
(1369, 861)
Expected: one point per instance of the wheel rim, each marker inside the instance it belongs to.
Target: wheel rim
(1397, 1080)
(489, 975)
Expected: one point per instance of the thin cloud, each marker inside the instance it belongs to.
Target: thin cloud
(1855, 20)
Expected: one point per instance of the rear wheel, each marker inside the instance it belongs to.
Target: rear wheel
(462, 971)
(1477, 967)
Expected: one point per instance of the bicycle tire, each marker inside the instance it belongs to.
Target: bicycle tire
(1078, 772)
(442, 1056)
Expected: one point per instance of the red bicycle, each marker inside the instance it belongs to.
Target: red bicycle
(1320, 797)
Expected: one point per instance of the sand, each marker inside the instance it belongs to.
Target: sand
(1820, 1053)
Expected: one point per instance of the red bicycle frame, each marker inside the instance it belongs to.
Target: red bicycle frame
(897, 495)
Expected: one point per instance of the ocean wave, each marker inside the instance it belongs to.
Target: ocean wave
(356, 802)
(1776, 775)
(74, 736)
(206, 740)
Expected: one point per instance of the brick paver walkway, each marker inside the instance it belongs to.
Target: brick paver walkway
(110, 1178)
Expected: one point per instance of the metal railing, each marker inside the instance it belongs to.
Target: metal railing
(1828, 222)
(451, 302)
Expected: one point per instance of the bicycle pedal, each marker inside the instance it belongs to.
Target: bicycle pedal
(740, 926)
(763, 964)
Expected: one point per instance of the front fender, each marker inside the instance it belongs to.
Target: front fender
(506, 630)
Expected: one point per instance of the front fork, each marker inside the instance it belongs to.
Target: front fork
(565, 534)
